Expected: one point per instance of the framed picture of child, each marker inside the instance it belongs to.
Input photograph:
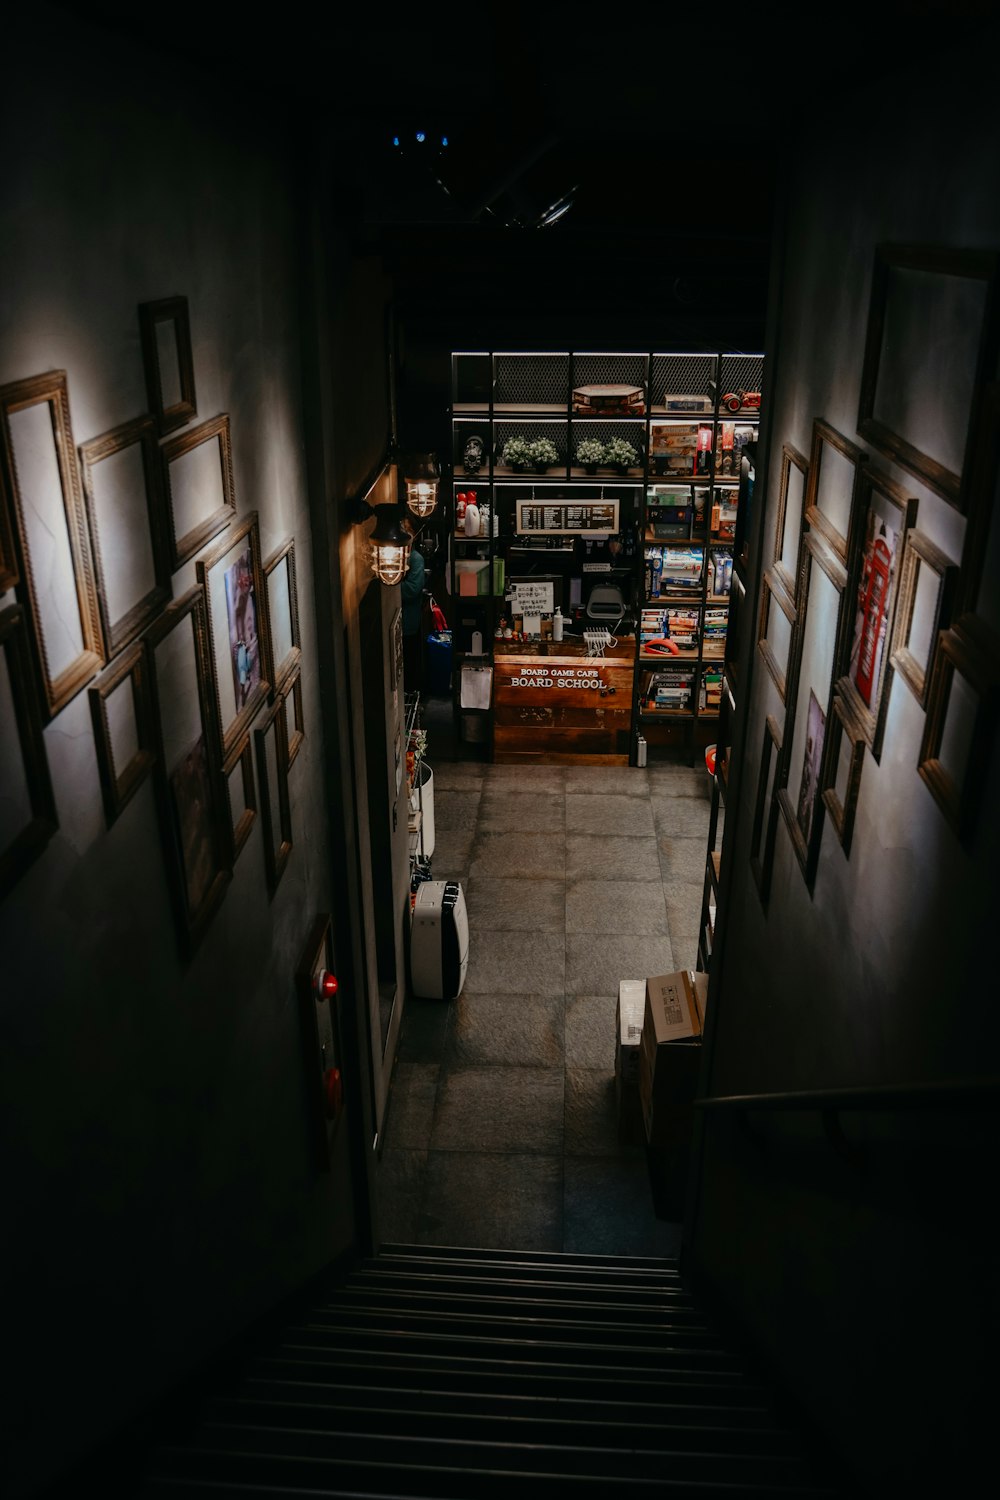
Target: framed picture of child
(233, 582)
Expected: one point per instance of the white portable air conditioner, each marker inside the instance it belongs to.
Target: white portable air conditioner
(439, 940)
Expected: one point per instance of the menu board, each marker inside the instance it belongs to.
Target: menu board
(562, 517)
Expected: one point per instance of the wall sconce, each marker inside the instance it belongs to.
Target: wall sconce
(421, 475)
(390, 542)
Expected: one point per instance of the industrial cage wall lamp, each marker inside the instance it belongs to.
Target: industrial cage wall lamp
(390, 541)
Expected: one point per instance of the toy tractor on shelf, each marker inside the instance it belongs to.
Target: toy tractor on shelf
(741, 400)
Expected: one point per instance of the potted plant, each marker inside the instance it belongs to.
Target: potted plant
(590, 453)
(517, 454)
(544, 453)
(621, 455)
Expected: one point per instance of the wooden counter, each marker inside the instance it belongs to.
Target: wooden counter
(552, 702)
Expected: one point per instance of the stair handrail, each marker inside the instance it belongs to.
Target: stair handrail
(945, 1093)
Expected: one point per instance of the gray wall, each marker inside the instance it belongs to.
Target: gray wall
(158, 1183)
(868, 1286)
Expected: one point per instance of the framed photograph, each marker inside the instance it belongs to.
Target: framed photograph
(189, 795)
(52, 557)
(765, 814)
(320, 1040)
(123, 729)
(927, 583)
(396, 637)
(129, 529)
(842, 772)
(28, 816)
(930, 347)
(567, 517)
(9, 571)
(790, 521)
(283, 611)
(165, 332)
(776, 630)
(198, 470)
(885, 516)
(236, 603)
(832, 487)
(271, 739)
(812, 755)
(242, 798)
(291, 693)
(962, 705)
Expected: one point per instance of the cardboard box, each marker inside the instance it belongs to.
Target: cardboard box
(670, 1053)
(628, 1042)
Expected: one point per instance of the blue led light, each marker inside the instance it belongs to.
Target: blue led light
(444, 140)
(395, 140)
(421, 136)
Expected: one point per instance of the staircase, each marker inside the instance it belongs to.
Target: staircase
(465, 1373)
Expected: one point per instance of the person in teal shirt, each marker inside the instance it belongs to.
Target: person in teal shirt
(413, 610)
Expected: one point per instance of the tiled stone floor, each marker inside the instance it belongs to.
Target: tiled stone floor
(501, 1127)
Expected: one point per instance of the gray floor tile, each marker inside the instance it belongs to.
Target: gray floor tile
(591, 857)
(683, 859)
(591, 1118)
(500, 1109)
(685, 946)
(411, 1106)
(513, 810)
(507, 904)
(424, 1030)
(609, 813)
(494, 1202)
(401, 1177)
(452, 851)
(683, 907)
(609, 1209)
(596, 963)
(525, 963)
(680, 781)
(513, 1030)
(458, 809)
(627, 781)
(623, 906)
(514, 856)
(460, 775)
(527, 778)
(680, 817)
(590, 1031)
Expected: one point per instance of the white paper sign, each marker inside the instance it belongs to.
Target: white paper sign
(532, 598)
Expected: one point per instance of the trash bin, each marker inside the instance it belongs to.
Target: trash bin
(439, 665)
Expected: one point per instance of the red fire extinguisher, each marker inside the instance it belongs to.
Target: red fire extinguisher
(873, 618)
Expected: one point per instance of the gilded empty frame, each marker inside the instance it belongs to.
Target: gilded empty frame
(843, 768)
(123, 730)
(926, 589)
(165, 331)
(198, 474)
(28, 816)
(271, 739)
(283, 611)
(930, 346)
(790, 519)
(961, 719)
(48, 527)
(832, 487)
(129, 528)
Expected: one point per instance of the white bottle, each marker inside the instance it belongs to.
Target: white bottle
(472, 520)
(557, 625)
(477, 643)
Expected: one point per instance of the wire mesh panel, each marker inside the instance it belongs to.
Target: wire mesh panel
(609, 382)
(530, 382)
(527, 447)
(740, 377)
(470, 382)
(683, 383)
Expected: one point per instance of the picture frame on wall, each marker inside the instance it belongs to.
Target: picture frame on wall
(842, 771)
(120, 711)
(790, 521)
(47, 521)
(776, 630)
(232, 578)
(885, 515)
(927, 584)
(283, 611)
(930, 346)
(831, 495)
(188, 787)
(962, 709)
(242, 798)
(30, 814)
(129, 528)
(291, 693)
(765, 815)
(198, 477)
(165, 335)
(271, 742)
